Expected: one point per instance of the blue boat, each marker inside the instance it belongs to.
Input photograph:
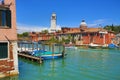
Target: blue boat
(53, 56)
(112, 46)
(47, 54)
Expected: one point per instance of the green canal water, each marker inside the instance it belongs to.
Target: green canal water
(79, 64)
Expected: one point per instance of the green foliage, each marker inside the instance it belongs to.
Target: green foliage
(69, 37)
(25, 34)
(19, 35)
(115, 28)
(66, 41)
(53, 40)
(45, 31)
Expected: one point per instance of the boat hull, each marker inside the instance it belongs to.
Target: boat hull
(55, 56)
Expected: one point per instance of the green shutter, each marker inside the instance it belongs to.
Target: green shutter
(8, 18)
(3, 50)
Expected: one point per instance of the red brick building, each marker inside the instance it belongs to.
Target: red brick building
(80, 36)
(88, 36)
(34, 36)
(8, 38)
(38, 36)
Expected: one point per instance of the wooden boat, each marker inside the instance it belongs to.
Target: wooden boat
(47, 54)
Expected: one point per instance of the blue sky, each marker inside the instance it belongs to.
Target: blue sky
(36, 13)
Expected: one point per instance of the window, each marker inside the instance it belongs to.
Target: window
(53, 17)
(84, 34)
(3, 50)
(5, 19)
(101, 35)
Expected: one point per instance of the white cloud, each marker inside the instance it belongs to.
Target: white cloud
(100, 21)
(32, 28)
(97, 23)
(29, 28)
(92, 25)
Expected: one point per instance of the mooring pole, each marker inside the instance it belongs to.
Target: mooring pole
(25, 46)
(37, 46)
(49, 47)
(28, 46)
(53, 50)
(32, 46)
(63, 52)
(59, 48)
(21, 47)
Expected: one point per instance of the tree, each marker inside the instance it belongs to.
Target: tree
(45, 31)
(115, 28)
(25, 34)
(19, 35)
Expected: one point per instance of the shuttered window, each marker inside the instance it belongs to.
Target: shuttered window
(3, 50)
(5, 19)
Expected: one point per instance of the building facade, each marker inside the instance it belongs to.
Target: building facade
(38, 36)
(8, 39)
(87, 36)
(79, 36)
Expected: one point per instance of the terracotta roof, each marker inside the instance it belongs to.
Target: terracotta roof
(78, 30)
(94, 30)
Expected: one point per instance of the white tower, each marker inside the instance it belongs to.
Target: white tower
(53, 23)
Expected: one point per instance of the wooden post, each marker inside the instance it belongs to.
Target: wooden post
(25, 46)
(43, 47)
(37, 46)
(28, 46)
(63, 53)
(59, 48)
(49, 47)
(40, 46)
(32, 46)
(21, 46)
(53, 50)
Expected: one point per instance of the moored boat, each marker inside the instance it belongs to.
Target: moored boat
(47, 54)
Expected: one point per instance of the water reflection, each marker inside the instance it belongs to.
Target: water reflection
(80, 64)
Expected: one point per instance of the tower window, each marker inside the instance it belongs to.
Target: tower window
(53, 17)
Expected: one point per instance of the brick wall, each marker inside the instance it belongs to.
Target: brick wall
(7, 64)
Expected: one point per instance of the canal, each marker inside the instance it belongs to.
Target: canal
(79, 64)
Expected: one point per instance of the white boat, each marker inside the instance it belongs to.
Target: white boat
(71, 47)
